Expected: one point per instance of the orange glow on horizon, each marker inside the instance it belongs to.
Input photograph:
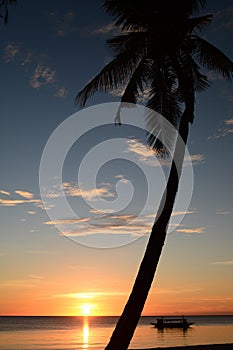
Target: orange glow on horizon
(87, 309)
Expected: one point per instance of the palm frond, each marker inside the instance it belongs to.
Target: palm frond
(128, 14)
(161, 133)
(199, 22)
(163, 99)
(135, 87)
(212, 58)
(112, 76)
(4, 9)
(197, 5)
(130, 42)
(200, 81)
(137, 82)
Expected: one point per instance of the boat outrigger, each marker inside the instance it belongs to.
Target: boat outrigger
(172, 323)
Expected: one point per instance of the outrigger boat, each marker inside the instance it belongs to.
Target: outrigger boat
(172, 323)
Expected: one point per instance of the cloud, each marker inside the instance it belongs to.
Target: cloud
(177, 213)
(191, 230)
(226, 262)
(107, 28)
(10, 52)
(43, 75)
(24, 194)
(73, 190)
(111, 224)
(223, 211)
(66, 221)
(224, 131)
(90, 295)
(15, 202)
(195, 158)
(61, 92)
(40, 73)
(10, 202)
(27, 198)
(143, 152)
(147, 156)
(27, 58)
(229, 122)
(36, 277)
(6, 193)
(15, 52)
(143, 96)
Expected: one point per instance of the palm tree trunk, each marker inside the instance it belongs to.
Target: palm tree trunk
(127, 322)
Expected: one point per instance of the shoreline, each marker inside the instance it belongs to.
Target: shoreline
(228, 346)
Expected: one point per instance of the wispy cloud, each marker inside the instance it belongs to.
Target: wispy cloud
(177, 213)
(195, 158)
(43, 75)
(90, 295)
(31, 212)
(36, 277)
(66, 221)
(143, 152)
(24, 194)
(141, 98)
(15, 202)
(10, 52)
(147, 156)
(121, 224)
(224, 131)
(61, 92)
(229, 122)
(27, 198)
(26, 59)
(191, 230)
(108, 28)
(223, 211)
(73, 190)
(6, 193)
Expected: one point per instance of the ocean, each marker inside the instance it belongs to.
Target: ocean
(91, 332)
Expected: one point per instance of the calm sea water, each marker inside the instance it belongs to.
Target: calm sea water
(36, 333)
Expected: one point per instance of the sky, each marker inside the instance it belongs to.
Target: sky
(86, 263)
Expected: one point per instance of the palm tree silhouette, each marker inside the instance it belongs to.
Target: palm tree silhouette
(160, 50)
(4, 9)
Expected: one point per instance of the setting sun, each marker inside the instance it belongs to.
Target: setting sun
(87, 309)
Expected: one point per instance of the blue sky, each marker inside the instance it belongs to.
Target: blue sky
(49, 50)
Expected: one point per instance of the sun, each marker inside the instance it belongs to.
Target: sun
(86, 309)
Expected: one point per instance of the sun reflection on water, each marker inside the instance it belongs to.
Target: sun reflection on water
(85, 333)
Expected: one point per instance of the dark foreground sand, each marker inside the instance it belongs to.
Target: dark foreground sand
(198, 347)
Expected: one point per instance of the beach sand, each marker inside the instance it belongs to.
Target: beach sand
(197, 347)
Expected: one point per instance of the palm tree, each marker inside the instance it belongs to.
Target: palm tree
(4, 9)
(159, 49)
